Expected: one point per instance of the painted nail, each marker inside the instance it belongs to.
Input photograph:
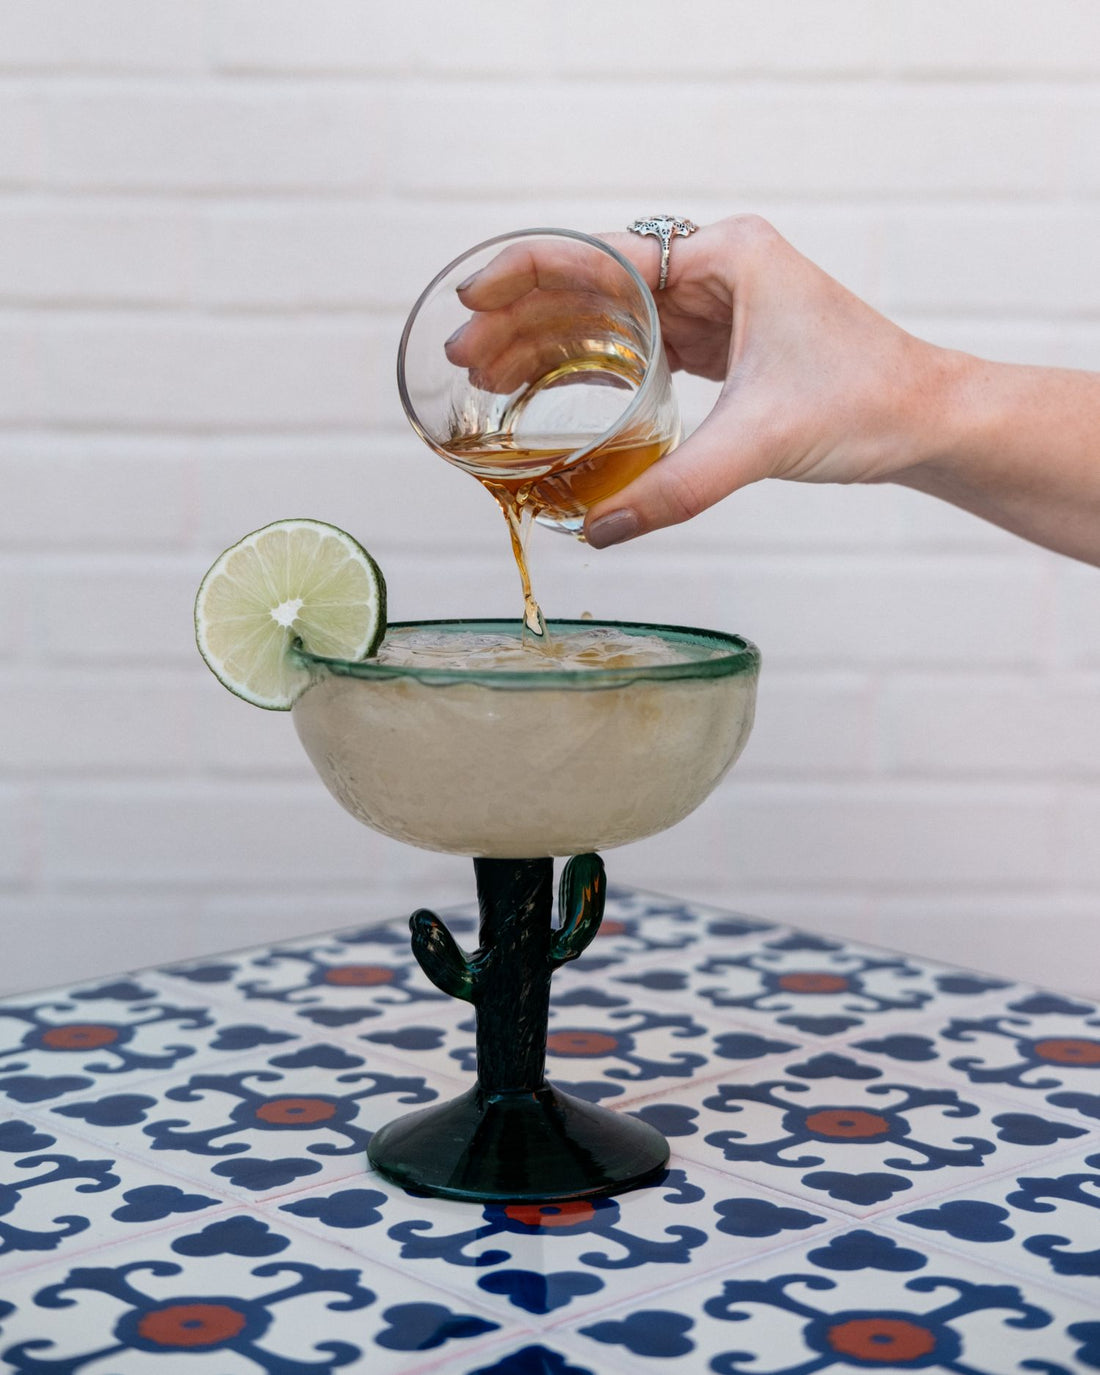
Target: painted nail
(613, 528)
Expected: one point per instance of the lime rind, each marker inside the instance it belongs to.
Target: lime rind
(294, 581)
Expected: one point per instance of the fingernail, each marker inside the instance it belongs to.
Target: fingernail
(613, 528)
(454, 338)
(469, 281)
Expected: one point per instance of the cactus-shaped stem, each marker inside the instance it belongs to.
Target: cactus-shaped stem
(581, 896)
(512, 1136)
(508, 977)
(512, 983)
(439, 956)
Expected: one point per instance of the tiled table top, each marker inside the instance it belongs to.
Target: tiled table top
(879, 1163)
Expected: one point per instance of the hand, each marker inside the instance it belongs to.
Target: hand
(817, 386)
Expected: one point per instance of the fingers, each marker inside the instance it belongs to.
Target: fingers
(536, 304)
(535, 286)
(715, 461)
(643, 252)
(546, 265)
(521, 342)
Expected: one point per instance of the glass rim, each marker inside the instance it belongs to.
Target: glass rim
(743, 657)
(644, 387)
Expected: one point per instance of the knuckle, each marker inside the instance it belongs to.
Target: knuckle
(752, 231)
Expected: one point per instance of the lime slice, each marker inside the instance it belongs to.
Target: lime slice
(293, 580)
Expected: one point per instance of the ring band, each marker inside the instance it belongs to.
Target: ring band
(664, 227)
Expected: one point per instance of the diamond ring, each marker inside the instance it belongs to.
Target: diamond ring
(664, 227)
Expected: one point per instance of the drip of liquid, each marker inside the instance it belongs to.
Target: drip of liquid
(519, 515)
(548, 485)
(527, 460)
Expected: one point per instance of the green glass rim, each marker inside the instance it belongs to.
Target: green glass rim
(741, 657)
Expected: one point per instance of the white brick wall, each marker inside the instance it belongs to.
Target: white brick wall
(213, 217)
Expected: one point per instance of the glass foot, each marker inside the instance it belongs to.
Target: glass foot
(543, 1146)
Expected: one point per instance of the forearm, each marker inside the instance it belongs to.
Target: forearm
(1019, 446)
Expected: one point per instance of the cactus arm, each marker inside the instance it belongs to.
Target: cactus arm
(439, 957)
(580, 907)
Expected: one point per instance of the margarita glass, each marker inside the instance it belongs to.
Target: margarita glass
(515, 767)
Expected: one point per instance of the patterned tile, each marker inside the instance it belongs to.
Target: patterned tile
(545, 1261)
(1037, 1047)
(236, 1294)
(809, 985)
(528, 1355)
(860, 1300)
(369, 972)
(833, 1127)
(637, 923)
(600, 1045)
(60, 1197)
(1043, 1225)
(117, 1032)
(261, 1126)
(326, 981)
(878, 1163)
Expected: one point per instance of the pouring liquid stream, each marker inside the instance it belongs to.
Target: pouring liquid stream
(529, 460)
(562, 493)
(519, 515)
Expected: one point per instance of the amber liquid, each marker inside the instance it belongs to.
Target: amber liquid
(558, 490)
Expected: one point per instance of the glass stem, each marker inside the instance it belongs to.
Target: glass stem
(515, 902)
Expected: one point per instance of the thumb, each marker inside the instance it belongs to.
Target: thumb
(713, 462)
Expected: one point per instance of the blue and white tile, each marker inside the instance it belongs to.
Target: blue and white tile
(529, 1354)
(835, 1128)
(260, 1126)
(236, 1293)
(369, 972)
(639, 924)
(913, 1194)
(331, 982)
(540, 1262)
(1036, 1047)
(857, 1300)
(115, 1032)
(60, 1197)
(600, 1045)
(809, 985)
(604, 1052)
(1044, 1224)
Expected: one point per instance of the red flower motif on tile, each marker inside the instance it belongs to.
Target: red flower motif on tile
(79, 1036)
(581, 1043)
(1068, 1050)
(296, 1112)
(812, 981)
(569, 1214)
(192, 1325)
(358, 975)
(888, 1340)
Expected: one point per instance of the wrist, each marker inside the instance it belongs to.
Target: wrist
(941, 416)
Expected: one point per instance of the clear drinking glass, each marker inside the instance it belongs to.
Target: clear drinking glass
(534, 362)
